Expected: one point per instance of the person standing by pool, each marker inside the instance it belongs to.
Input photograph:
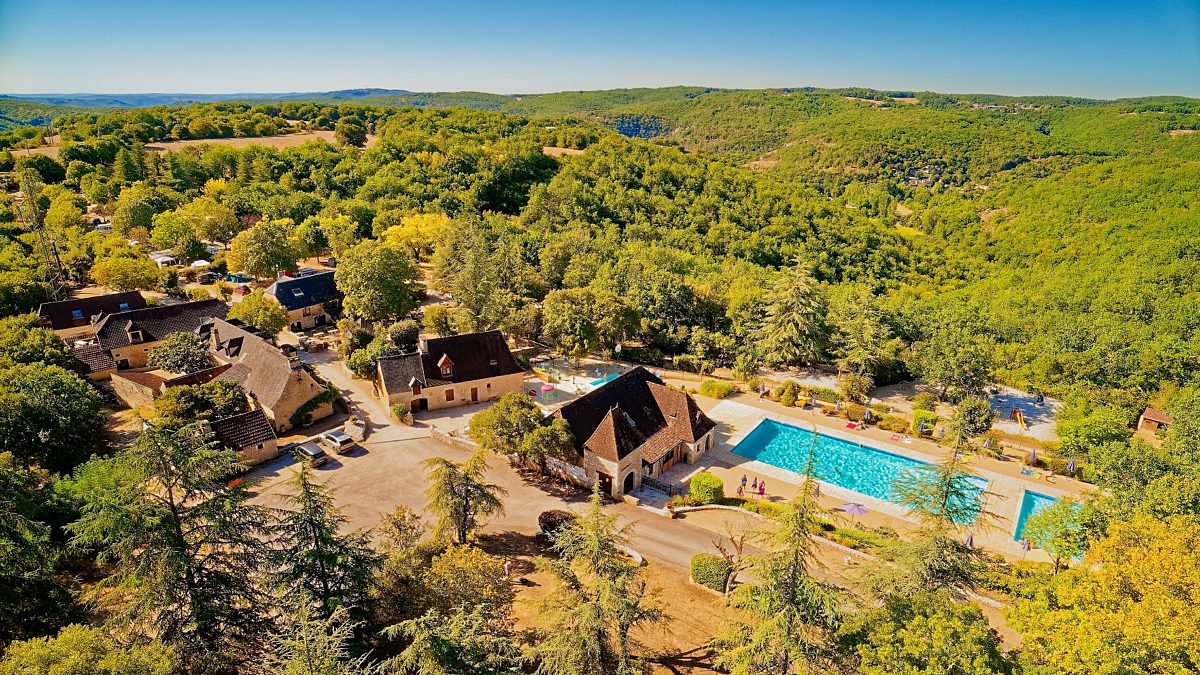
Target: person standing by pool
(743, 481)
(754, 483)
(762, 488)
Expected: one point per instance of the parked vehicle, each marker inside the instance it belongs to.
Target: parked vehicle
(337, 441)
(311, 454)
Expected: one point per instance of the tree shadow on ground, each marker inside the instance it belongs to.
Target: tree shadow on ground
(698, 659)
(554, 487)
(510, 544)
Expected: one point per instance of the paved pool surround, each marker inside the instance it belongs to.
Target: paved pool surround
(1002, 497)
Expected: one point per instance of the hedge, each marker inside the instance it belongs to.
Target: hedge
(930, 419)
(716, 388)
(706, 488)
(711, 571)
(893, 423)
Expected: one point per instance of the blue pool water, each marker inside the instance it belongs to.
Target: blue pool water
(850, 465)
(1031, 503)
(605, 380)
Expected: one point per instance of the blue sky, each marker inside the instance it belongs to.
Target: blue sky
(1099, 48)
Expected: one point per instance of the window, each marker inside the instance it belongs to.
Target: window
(124, 306)
(449, 394)
(297, 292)
(77, 314)
(416, 389)
(260, 446)
(307, 311)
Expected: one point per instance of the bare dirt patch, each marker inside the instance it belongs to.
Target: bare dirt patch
(903, 211)
(678, 645)
(554, 151)
(908, 100)
(1181, 132)
(762, 163)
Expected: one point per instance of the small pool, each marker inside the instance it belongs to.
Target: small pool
(605, 380)
(853, 466)
(1031, 504)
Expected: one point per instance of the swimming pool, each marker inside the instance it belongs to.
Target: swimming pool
(605, 380)
(1031, 503)
(863, 469)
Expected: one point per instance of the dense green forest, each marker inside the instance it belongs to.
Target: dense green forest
(1043, 242)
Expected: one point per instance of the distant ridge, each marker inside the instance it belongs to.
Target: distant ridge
(151, 99)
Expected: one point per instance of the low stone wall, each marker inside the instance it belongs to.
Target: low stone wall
(452, 439)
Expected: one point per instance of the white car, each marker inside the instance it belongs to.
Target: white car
(337, 441)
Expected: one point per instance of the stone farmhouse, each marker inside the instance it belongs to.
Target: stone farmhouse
(634, 427)
(450, 371)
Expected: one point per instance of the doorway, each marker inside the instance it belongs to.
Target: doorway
(627, 486)
(474, 394)
(605, 482)
(419, 404)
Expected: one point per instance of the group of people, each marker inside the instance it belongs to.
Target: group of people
(757, 486)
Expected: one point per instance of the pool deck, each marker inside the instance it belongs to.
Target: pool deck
(739, 415)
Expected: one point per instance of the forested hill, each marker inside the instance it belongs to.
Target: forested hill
(1063, 227)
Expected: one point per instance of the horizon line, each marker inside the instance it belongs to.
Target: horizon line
(401, 91)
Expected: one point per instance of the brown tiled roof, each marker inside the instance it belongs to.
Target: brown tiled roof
(1156, 415)
(475, 356)
(146, 379)
(94, 358)
(242, 431)
(471, 356)
(259, 366)
(635, 410)
(61, 315)
(158, 322)
(197, 378)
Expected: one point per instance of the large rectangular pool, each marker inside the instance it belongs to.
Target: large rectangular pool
(853, 466)
(1031, 503)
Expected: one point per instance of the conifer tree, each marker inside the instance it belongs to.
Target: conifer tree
(184, 545)
(314, 557)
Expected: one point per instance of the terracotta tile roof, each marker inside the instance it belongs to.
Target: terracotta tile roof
(242, 431)
(146, 379)
(77, 312)
(634, 411)
(156, 323)
(196, 378)
(94, 358)
(1156, 415)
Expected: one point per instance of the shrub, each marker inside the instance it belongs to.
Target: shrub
(554, 520)
(853, 411)
(791, 392)
(893, 423)
(716, 388)
(706, 488)
(402, 413)
(881, 408)
(762, 508)
(198, 294)
(825, 394)
(693, 364)
(924, 401)
(711, 571)
(924, 416)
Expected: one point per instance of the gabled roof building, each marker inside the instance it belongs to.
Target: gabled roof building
(124, 339)
(450, 371)
(307, 299)
(635, 426)
(75, 317)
